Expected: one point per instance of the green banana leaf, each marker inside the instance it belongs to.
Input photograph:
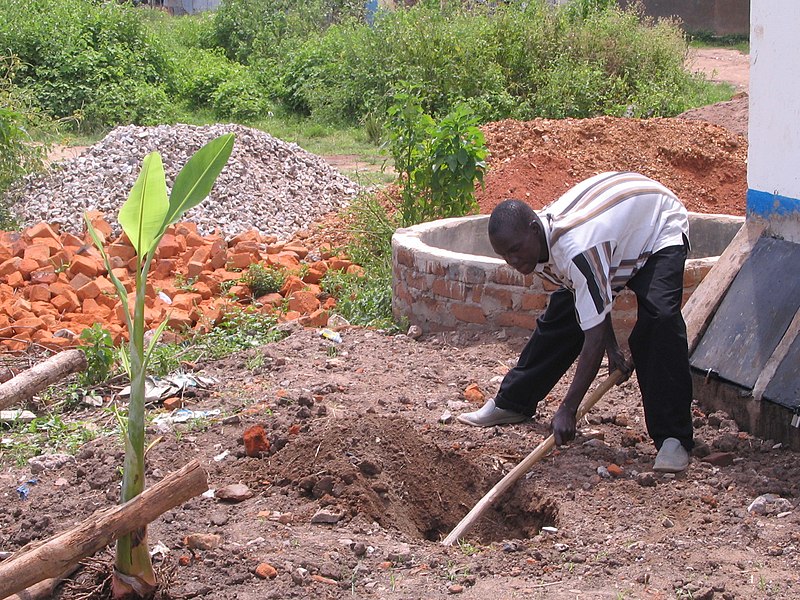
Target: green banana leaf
(142, 215)
(196, 178)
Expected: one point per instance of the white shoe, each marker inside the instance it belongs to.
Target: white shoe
(672, 457)
(489, 415)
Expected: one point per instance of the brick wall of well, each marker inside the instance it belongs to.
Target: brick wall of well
(441, 295)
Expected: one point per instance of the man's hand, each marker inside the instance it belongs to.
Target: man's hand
(563, 425)
(617, 361)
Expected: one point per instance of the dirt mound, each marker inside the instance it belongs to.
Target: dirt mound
(537, 161)
(386, 471)
(732, 115)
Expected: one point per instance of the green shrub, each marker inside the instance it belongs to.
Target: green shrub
(264, 279)
(74, 53)
(202, 72)
(18, 155)
(127, 102)
(245, 28)
(98, 347)
(240, 98)
(438, 163)
(517, 60)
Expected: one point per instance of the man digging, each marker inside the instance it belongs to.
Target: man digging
(611, 231)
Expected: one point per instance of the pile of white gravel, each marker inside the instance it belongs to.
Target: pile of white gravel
(270, 185)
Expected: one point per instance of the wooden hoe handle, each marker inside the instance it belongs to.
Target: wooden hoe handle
(523, 467)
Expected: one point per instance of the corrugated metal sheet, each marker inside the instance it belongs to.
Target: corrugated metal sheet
(190, 7)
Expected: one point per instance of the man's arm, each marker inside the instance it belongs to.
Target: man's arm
(594, 346)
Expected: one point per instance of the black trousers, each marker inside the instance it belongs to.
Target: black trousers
(658, 347)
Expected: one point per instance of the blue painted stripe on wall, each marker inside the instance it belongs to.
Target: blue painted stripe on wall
(765, 204)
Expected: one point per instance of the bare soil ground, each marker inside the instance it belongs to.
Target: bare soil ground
(360, 437)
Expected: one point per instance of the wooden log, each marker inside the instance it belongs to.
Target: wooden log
(38, 377)
(54, 556)
(535, 456)
(44, 589)
(705, 300)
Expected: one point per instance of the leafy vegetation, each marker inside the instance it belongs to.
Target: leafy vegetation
(18, 155)
(145, 217)
(438, 163)
(263, 279)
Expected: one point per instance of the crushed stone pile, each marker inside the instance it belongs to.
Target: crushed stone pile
(269, 185)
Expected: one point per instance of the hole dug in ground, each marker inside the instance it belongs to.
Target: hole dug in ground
(386, 471)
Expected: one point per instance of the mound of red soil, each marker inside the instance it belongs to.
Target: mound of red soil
(537, 161)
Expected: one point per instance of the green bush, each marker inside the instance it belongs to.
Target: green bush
(264, 279)
(240, 98)
(517, 60)
(248, 28)
(202, 73)
(438, 163)
(75, 53)
(18, 155)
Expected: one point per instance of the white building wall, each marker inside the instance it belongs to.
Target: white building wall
(773, 170)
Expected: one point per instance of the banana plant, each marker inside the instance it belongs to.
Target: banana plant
(145, 217)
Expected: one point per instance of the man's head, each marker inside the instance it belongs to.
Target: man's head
(517, 235)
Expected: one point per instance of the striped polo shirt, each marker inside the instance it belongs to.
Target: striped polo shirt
(602, 231)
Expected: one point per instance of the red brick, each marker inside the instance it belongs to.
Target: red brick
(179, 320)
(38, 252)
(272, 300)
(339, 264)
(73, 241)
(468, 313)
(194, 239)
(504, 297)
(291, 285)
(56, 343)
(90, 306)
(256, 441)
(317, 318)
(79, 281)
(28, 266)
(44, 309)
(329, 303)
(186, 301)
(286, 260)
(534, 301)
(38, 293)
(517, 319)
(298, 249)
(84, 265)
(27, 325)
(45, 275)
(449, 289)
(20, 309)
(185, 228)
(98, 221)
(122, 251)
(9, 266)
(170, 247)
(289, 315)
(241, 260)
(303, 302)
(15, 280)
(356, 270)
(41, 230)
(250, 235)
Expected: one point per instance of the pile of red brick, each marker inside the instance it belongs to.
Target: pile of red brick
(53, 285)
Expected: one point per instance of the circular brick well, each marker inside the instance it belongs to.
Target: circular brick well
(446, 276)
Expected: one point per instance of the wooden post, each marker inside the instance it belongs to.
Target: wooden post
(39, 376)
(54, 556)
(538, 454)
(705, 300)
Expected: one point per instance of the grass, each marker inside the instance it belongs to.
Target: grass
(51, 433)
(731, 42)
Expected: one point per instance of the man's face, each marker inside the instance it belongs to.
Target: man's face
(520, 248)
